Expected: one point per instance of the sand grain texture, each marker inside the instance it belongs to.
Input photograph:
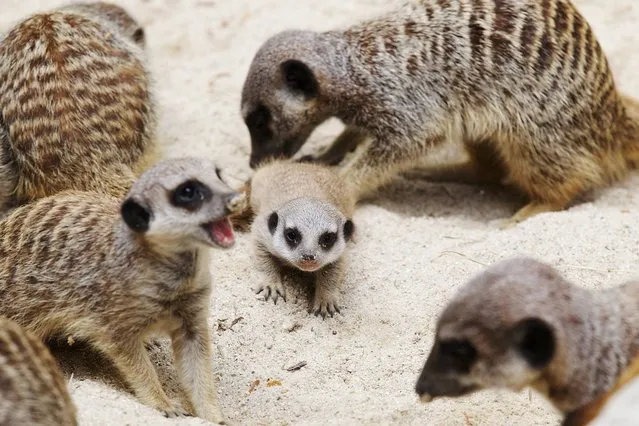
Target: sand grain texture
(417, 243)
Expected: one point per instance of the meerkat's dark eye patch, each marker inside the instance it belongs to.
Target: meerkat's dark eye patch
(273, 219)
(190, 195)
(349, 227)
(259, 118)
(293, 237)
(298, 77)
(457, 355)
(327, 240)
(535, 340)
(135, 216)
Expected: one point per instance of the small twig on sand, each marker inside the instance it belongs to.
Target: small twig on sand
(462, 255)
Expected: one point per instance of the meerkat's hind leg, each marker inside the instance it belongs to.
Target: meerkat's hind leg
(529, 210)
(192, 351)
(346, 142)
(327, 289)
(483, 166)
(136, 368)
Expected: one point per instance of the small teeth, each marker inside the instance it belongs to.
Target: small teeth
(425, 397)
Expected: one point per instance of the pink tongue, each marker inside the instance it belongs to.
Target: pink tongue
(223, 232)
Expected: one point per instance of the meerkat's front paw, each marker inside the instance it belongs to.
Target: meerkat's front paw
(174, 410)
(273, 290)
(326, 304)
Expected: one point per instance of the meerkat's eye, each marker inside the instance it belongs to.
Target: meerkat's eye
(327, 240)
(293, 237)
(190, 195)
(459, 354)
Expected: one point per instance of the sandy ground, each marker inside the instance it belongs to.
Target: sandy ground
(418, 241)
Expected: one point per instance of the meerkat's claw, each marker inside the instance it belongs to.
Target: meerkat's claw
(271, 291)
(175, 410)
(325, 307)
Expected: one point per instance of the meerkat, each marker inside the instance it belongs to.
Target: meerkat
(303, 221)
(524, 84)
(76, 108)
(520, 323)
(114, 272)
(33, 390)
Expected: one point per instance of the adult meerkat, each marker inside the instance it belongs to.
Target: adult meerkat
(114, 272)
(303, 220)
(520, 323)
(524, 84)
(76, 112)
(33, 390)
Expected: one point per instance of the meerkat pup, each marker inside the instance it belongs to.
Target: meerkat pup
(33, 390)
(303, 220)
(115, 272)
(520, 323)
(76, 110)
(524, 84)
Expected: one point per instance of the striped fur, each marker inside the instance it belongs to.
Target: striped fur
(33, 390)
(70, 265)
(523, 83)
(75, 103)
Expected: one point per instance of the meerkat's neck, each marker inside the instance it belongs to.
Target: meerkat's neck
(173, 255)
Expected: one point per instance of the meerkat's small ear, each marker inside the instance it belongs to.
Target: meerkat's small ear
(349, 228)
(135, 216)
(138, 36)
(299, 78)
(535, 341)
(272, 222)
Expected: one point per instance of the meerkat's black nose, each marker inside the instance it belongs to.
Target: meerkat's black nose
(308, 257)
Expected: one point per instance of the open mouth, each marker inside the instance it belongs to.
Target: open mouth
(221, 232)
(308, 266)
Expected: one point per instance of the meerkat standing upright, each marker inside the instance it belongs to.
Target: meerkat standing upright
(520, 323)
(33, 391)
(303, 221)
(523, 83)
(115, 272)
(76, 110)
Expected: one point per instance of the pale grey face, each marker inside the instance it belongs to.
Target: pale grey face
(308, 234)
(183, 202)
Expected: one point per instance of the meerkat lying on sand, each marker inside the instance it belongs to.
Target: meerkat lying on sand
(303, 221)
(520, 323)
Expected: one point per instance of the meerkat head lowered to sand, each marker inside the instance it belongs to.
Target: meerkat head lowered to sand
(307, 233)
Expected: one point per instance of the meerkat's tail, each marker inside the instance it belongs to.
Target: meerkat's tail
(630, 131)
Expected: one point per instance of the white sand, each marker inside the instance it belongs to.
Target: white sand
(418, 241)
